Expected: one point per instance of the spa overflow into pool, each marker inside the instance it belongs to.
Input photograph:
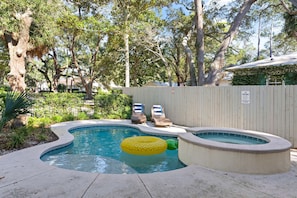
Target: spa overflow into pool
(97, 149)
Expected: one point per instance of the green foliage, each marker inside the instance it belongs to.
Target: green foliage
(15, 104)
(44, 13)
(57, 118)
(55, 104)
(18, 137)
(68, 117)
(82, 116)
(2, 97)
(112, 105)
(52, 108)
(27, 135)
(35, 122)
(291, 78)
(290, 24)
(257, 79)
(61, 88)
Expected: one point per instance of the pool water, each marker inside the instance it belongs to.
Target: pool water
(231, 138)
(97, 149)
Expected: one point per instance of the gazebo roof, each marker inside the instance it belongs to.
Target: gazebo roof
(284, 60)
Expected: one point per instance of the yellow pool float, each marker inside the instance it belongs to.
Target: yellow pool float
(143, 145)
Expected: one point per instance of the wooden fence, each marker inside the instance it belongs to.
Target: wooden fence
(270, 109)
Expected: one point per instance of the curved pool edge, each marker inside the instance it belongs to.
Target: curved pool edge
(275, 143)
(65, 137)
(270, 158)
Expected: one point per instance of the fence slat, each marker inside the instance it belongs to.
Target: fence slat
(272, 109)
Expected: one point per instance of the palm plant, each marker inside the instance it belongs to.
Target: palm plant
(16, 103)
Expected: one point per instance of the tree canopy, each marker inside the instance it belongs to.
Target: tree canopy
(135, 42)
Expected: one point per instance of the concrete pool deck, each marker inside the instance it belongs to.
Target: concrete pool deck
(23, 174)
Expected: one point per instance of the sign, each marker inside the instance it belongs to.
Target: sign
(245, 97)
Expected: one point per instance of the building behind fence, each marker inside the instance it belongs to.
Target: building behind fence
(270, 109)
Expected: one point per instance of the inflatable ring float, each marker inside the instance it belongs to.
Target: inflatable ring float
(143, 145)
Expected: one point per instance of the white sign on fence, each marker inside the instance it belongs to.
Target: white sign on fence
(245, 97)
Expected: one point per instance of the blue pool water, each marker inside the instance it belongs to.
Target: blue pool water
(97, 149)
(231, 138)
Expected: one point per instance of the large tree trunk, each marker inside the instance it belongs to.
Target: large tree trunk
(180, 78)
(18, 46)
(126, 41)
(189, 58)
(87, 83)
(199, 41)
(58, 71)
(214, 73)
(127, 60)
(45, 74)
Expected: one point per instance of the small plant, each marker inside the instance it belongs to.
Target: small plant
(57, 118)
(39, 122)
(15, 104)
(82, 116)
(41, 137)
(68, 117)
(112, 105)
(18, 137)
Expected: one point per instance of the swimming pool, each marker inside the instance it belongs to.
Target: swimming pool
(97, 149)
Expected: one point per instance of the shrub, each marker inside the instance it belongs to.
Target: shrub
(82, 116)
(56, 104)
(18, 137)
(15, 104)
(112, 105)
(39, 122)
(256, 79)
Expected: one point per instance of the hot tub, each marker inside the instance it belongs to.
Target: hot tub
(235, 150)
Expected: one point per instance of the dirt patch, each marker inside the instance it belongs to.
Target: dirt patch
(10, 142)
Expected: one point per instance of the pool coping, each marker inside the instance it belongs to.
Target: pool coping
(275, 143)
(23, 174)
(65, 137)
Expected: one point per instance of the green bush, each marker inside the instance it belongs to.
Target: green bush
(56, 104)
(18, 137)
(52, 108)
(2, 97)
(39, 122)
(61, 88)
(68, 117)
(15, 104)
(82, 116)
(257, 79)
(112, 105)
(57, 118)
(291, 78)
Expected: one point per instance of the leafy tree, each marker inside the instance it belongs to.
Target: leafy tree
(180, 29)
(219, 58)
(27, 28)
(125, 13)
(290, 26)
(85, 31)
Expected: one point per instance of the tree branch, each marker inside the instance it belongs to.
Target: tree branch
(286, 7)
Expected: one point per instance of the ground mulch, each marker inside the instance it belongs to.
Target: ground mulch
(32, 139)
